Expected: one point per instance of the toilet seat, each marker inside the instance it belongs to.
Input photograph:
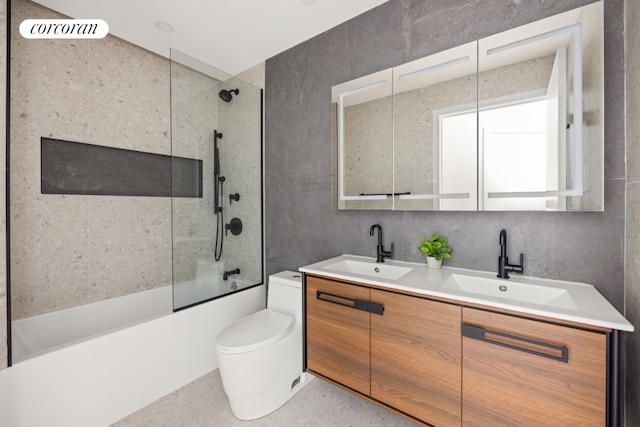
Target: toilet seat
(254, 332)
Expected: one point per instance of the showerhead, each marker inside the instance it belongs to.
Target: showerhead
(226, 96)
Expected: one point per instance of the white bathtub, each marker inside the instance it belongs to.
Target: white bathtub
(37, 335)
(79, 367)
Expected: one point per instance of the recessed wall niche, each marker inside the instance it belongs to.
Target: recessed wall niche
(76, 168)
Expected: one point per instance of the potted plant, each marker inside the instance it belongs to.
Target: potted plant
(435, 250)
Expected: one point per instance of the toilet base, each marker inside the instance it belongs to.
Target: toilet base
(257, 406)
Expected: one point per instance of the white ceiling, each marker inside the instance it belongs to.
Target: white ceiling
(231, 35)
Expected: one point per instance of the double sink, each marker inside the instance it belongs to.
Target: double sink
(466, 283)
(573, 301)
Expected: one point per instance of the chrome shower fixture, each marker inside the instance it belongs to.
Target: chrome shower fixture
(226, 96)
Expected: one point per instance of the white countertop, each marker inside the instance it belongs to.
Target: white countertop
(589, 306)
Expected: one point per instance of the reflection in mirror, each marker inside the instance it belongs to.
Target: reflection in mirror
(364, 142)
(513, 121)
(429, 174)
(538, 81)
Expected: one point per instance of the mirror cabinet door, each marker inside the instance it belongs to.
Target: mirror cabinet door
(537, 151)
(364, 142)
(514, 121)
(435, 132)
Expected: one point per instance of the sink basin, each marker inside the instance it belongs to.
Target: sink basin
(371, 269)
(508, 290)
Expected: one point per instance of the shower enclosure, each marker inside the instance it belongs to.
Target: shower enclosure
(119, 226)
(217, 235)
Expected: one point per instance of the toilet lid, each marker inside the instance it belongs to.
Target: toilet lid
(253, 332)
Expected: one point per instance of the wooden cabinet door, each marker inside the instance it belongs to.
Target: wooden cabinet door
(415, 357)
(338, 333)
(528, 373)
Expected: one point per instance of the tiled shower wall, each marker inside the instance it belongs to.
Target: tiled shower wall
(74, 249)
(196, 110)
(240, 163)
(632, 277)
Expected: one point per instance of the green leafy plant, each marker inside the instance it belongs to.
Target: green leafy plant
(436, 247)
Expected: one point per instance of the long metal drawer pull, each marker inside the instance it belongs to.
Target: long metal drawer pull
(526, 345)
(350, 302)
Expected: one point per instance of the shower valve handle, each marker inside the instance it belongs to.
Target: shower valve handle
(235, 197)
(235, 226)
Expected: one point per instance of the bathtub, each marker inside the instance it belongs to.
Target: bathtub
(95, 364)
(41, 334)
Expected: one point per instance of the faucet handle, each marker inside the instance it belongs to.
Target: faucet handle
(519, 269)
(387, 254)
(521, 264)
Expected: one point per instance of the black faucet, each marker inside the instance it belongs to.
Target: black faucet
(503, 260)
(381, 253)
(226, 274)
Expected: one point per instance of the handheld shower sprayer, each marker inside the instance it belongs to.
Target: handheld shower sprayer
(216, 172)
(218, 183)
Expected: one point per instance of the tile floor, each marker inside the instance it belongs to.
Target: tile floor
(204, 404)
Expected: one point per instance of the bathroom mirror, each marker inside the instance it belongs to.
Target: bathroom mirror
(540, 115)
(513, 121)
(365, 127)
(428, 172)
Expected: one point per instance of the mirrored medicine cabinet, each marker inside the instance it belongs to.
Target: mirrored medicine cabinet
(509, 122)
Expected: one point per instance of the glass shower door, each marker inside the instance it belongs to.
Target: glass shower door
(217, 235)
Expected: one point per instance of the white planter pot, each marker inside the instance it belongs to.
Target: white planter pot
(433, 263)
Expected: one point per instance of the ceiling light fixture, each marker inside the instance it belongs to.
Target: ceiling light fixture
(165, 27)
(306, 2)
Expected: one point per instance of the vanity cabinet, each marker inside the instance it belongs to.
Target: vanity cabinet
(337, 334)
(525, 372)
(415, 357)
(447, 363)
(398, 350)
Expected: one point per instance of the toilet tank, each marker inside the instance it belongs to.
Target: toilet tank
(285, 293)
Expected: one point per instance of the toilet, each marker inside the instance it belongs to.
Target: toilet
(260, 356)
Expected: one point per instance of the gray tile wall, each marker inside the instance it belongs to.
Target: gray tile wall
(632, 276)
(301, 225)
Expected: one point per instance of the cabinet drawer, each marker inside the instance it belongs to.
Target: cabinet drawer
(337, 332)
(528, 373)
